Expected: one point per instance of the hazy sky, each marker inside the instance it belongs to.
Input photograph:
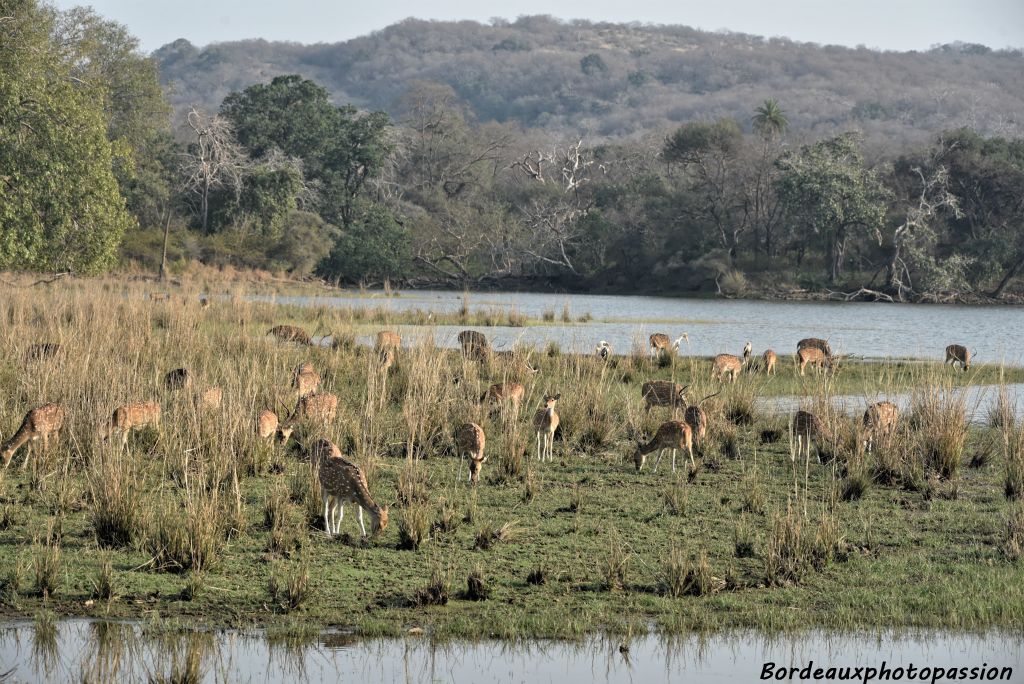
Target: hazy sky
(886, 24)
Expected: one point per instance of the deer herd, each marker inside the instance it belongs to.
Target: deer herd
(342, 481)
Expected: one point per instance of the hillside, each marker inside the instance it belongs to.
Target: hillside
(619, 80)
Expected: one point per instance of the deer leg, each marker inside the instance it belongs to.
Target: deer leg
(690, 449)
(539, 455)
(327, 512)
(673, 460)
(658, 460)
(339, 517)
(362, 527)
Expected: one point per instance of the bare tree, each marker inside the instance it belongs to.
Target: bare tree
(214, 160)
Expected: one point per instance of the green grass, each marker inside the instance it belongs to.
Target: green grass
(603, 534)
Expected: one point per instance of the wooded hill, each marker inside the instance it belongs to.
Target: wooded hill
(612, 80)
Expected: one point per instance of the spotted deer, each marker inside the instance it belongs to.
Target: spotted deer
(317, 408)
(211, 399)
(291, 333)
(266, 425)
(806, 428)
(662, 344)
(474, 345)
(663, 393)
(130, 417)
(727, 364)
(342, 482)
(38, 424)
(672, 434)
(506, 393)
(470, 440)
(43, 350)
(697, 418)
(880, 419)
(957, 353)
(305, 380)
(769, 359)
(545, 422)
(386, 339)
(813, 356)
(815, 343)
(385, 359)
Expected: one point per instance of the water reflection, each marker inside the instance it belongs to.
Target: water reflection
(90, 651)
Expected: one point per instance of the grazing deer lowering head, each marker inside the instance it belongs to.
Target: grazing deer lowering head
(769, 359)
(672, 434)
(475, 345)
(385, 359)
(815, 357)
(44, 350)
(957, 353)
(38, 424)
(815, 343)
(342, 482)
(470, 440)
(511, 393)
(663, 393)
(316, 408)
(727, 364)
(305, 379)
(129, 417)
(806, 427)
(545, 422)
(210, 399)
(662, 344)
(386, 339)
(291, 333)
(880, 419)
(266, 425)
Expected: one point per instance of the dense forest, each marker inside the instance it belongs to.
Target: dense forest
(532, 154)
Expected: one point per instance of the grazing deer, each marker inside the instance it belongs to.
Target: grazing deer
(387, 339)
(661, 344)
(880, 419)
(813, 356)
(470, 439)
(815, 343)
(545, 422)
(957, 353)
(210, 399)
(319, 408)
(806, 427)
(266, 425)
(663, 393)
(291, 333)
(178, 379)
(672, 434)
(39, 423)
(385, 359)
(305, 379)
(44, 350)
(604, 350)
(502, 393)
(159, 297)
(342, 482)
(129, 417)
(769, 359)
(727, 363)
(474, 345)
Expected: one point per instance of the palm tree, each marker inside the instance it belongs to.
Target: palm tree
(769, 119)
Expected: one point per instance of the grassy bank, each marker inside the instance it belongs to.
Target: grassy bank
(202, 521)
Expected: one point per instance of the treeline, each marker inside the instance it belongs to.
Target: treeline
(609, 80)
(280, 177)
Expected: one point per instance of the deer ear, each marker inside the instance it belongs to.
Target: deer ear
(558, 396)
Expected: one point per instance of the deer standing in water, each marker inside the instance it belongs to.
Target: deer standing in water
(470, 439)
(130, 417)
(38, 424)
(545, 422)
(672, 434)
(342, 482)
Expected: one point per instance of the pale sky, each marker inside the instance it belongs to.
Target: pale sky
(885, 24)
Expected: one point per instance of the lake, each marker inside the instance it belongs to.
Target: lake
(79, 649)
(721, 325)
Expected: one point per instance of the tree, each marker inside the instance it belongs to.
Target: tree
(769, 120)
(373, 247)
(214, 161)
(60, 207)
(826, 191)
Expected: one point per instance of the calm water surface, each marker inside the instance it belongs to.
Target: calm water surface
(82, 649)
(715, 326)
